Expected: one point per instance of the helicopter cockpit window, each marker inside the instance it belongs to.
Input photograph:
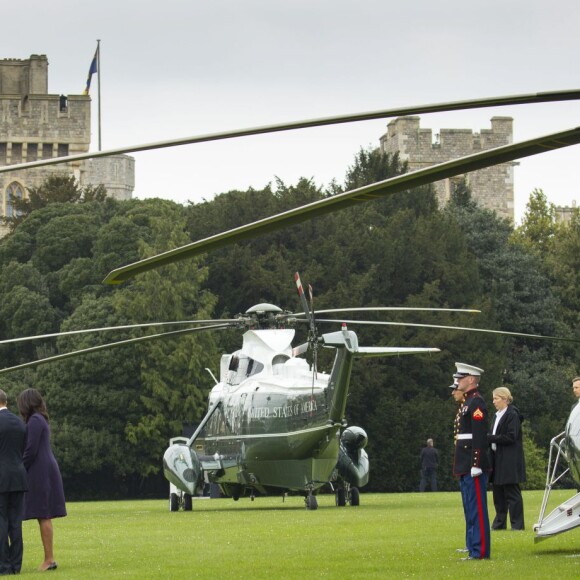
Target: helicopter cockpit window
(241, 367)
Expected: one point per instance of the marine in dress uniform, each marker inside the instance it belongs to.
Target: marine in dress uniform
(471, 462)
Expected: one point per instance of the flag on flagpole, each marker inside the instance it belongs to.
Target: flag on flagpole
(92, 70)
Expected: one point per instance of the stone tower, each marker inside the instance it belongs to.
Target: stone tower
(35, 125)
(492, 188)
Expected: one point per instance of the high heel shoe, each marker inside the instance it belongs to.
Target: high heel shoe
(51, 566)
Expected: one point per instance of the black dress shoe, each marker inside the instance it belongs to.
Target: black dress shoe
(52, 566)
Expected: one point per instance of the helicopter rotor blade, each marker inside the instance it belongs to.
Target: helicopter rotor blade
(304, 301)
(300, 349)
(83, 351)
(418, 325)
(347, 199)
(107, 328)
(390, 309)
(523, 99)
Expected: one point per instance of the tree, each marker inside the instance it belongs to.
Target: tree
(564, 268)
(172, 372)
(57, 188)
(372, 165)
(538, 226)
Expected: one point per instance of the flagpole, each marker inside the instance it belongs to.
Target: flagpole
(99, 91)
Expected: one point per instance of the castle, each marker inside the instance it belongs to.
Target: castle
(492, 188)
(36, 125)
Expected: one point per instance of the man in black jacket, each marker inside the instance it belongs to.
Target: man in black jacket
(12, 487)
(429, 462)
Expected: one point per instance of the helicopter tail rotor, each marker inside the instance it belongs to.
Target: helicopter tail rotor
(304, 301)
(308, 306)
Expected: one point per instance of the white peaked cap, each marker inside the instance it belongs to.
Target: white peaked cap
(464, 370)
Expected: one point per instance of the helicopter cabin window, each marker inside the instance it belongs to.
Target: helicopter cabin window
(278, 362)
(241, 367)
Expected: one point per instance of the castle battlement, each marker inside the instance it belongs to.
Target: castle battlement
(491, 187)
(24, 77)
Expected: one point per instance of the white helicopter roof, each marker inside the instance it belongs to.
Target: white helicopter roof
(262, 345)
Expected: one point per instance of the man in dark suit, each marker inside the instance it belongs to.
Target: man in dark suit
(429, 462)
(12, 488)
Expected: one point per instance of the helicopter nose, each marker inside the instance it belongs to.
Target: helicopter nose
(182, 468)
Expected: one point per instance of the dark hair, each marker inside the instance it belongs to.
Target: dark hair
(29, 402)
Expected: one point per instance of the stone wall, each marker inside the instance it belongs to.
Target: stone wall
(492, 188)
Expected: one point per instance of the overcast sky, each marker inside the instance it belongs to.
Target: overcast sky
(183, 67)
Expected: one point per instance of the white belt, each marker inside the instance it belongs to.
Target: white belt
(465, 436)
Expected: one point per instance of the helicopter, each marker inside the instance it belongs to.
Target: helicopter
(275, 423)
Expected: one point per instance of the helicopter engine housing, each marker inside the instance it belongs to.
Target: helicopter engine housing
(353, 461)
(182, 468)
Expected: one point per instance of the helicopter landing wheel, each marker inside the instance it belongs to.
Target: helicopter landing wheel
(187, 503)
(354, 496)
(311, 502)
(173, 502)
(340, 497)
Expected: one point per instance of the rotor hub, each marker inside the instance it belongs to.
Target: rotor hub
(266, 315)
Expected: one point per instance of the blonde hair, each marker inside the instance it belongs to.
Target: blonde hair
(504, 393)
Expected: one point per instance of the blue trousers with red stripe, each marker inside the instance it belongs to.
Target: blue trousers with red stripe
(474, 496)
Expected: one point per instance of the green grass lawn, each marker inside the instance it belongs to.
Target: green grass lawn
(387, 536)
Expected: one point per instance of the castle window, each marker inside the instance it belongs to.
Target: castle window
(46, 150)
(14, 190)
(16, 156)
(2, 153)
(32, 152)
(62, 149)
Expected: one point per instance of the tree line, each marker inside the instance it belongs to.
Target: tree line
(112, 412)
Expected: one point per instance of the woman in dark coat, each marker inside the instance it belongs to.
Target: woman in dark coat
(45, 497)
(509, 467)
